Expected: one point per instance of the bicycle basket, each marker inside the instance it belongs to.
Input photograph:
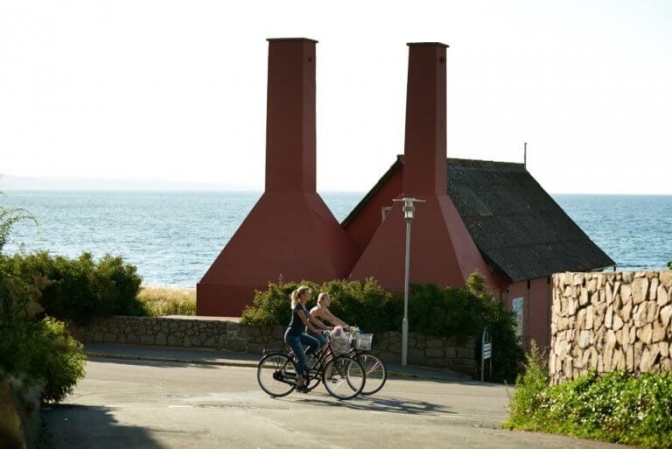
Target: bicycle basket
(340, 345)
(363, 341)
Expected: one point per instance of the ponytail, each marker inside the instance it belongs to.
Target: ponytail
(296, 294)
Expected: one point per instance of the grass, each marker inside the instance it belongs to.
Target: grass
(617, 407)
(168, 301)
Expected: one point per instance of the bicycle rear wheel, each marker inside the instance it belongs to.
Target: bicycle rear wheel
(376, 373)
(276, 374)
(347, 377)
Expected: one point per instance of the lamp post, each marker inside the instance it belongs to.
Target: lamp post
(409, 213)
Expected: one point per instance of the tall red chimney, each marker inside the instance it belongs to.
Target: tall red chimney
(442, 250)
(290, 232)
(425, 165)
(290, 124)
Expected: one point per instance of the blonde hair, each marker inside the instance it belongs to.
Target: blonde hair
(322, 296)
(296, 294)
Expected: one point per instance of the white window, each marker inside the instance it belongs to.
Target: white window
(517, 309)
(384, 211)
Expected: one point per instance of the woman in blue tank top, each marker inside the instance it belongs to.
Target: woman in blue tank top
(295, 334)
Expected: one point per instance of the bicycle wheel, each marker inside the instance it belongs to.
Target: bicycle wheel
(312, 378)
(276, 374)
(376, 373)
(347, 377)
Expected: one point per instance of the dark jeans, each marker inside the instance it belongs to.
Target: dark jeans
(319, 337)
(297, 342)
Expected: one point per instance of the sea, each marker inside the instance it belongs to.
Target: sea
(173, 237)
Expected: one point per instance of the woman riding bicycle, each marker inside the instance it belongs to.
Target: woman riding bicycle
(295, 336)
(321, 312)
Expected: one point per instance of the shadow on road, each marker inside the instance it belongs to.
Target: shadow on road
(386, 405)
(85, 427)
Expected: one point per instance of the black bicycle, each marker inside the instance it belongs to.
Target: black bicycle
(343, 376)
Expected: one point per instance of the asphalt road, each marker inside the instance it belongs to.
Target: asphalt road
(151, 405)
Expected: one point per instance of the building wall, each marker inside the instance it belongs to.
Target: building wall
(610, 321)
(366, 223)
(536, 309)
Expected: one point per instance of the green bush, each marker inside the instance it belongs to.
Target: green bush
(618, 407)
(364, 304)
(461, 313)
(36, 350)
(81, 288)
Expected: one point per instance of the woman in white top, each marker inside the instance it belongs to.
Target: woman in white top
(321, 311)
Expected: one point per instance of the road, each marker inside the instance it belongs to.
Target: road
(151, 405)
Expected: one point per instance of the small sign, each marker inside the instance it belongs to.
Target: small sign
(486, 352)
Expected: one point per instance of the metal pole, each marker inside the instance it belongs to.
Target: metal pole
(404, 323)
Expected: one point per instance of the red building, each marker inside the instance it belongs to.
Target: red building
(478, 215)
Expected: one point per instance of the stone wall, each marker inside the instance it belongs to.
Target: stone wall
(176, 332)
(200, 332)
(610, 321)
(425, 350)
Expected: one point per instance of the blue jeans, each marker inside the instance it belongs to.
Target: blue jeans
(297, 342)
(319, 337)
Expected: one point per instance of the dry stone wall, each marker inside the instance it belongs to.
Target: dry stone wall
(199, 332)
(610, 321)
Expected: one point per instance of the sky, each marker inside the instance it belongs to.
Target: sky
(165, 91)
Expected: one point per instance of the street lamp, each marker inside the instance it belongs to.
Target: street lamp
(409, 212)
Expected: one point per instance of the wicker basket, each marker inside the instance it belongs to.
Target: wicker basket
(363, 341)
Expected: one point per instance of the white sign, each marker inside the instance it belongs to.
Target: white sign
(486, 352)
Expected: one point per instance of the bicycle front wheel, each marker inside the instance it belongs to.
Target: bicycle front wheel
(344, 377)
(376, 373)
(276, 374)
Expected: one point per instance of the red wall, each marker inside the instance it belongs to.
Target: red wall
(442, 250)
(536, 311)
(286, 234)
(368, 220)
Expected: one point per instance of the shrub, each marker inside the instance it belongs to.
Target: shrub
(618, 407)
(81, 288)
(36, 350)
(364, 304)
(461, 313)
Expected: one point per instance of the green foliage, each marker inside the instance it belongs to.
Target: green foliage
(80, 288)
(530, 387)
(37, 350)
(8, 218)
(273, 306)
(365, 304)
(464, 313)
(461, 313)
(669, 265)
(617, 407)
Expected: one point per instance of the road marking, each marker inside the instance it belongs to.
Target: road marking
(180, 406)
